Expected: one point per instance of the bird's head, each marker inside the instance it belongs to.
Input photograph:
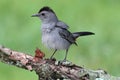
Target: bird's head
(46, 14)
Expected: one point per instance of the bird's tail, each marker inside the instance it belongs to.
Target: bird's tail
(77, 34)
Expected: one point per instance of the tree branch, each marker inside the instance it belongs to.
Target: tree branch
(47, 69)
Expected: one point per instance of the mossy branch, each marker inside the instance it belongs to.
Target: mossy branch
(47, 69)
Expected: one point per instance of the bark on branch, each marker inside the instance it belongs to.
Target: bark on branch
(47, 69)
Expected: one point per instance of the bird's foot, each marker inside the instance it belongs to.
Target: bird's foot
(52, 59)
(64, 62)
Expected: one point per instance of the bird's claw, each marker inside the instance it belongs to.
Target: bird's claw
(63, 62)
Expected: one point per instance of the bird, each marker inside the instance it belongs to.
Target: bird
(55, 33)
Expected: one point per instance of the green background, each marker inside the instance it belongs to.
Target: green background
(19, 31)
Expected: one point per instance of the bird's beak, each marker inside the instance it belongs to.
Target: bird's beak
(35, 15)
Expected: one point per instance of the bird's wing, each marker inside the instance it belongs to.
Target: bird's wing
(62, 25)
(67, 35)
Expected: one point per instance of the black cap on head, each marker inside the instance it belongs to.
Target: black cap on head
(46, 8)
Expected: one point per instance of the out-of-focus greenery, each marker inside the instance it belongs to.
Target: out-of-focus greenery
(19, 31)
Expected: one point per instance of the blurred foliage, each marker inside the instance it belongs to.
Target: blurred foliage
(19, 31)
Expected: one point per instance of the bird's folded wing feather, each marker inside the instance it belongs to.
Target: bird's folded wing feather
(65, 34)
(62, 25)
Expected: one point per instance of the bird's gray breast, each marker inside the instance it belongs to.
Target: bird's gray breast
(52, 39)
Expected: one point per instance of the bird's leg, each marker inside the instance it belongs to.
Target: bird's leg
(65, 62)
(53, 54)
(66, 55)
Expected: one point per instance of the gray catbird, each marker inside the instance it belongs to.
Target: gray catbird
(55, 34)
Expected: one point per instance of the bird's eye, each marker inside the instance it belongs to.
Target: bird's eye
(43, 14)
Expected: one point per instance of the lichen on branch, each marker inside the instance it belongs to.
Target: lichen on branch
(48, 69)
